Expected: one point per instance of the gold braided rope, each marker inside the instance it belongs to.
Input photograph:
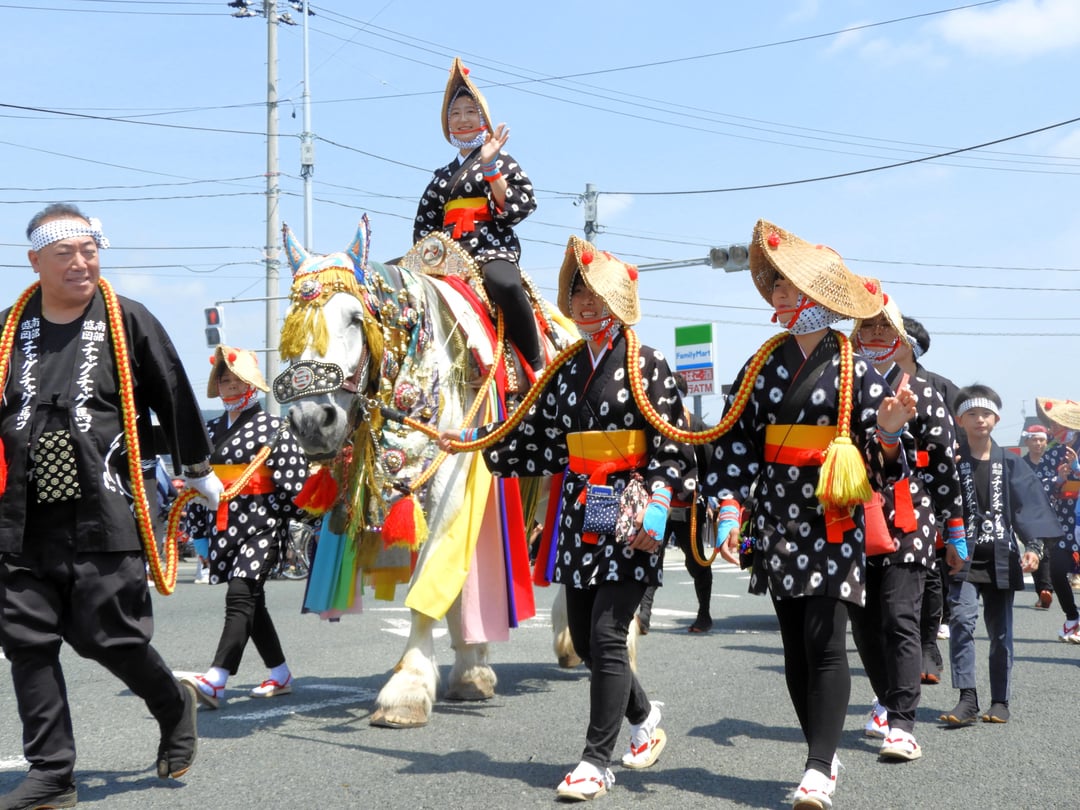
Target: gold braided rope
(164, 580)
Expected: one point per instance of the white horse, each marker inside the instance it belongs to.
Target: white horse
(368, 341)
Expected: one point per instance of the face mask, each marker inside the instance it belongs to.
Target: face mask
(810, 316)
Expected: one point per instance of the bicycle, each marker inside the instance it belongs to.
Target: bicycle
(297, 553)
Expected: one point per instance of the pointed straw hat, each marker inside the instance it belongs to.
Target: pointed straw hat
(242, 363)
(459, 80)
(612, 280)
(889, 309)
(1064, 412)
(816, 270)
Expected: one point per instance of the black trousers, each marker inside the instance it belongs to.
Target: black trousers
(1059, 557)
(246, 617)
(814, 632)
(888, 636)
(599, 619)
(100, 605)
(502, 281)
(679, 531)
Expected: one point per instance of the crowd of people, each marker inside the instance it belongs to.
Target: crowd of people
(855, 485)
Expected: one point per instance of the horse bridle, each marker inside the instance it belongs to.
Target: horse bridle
(309, 378)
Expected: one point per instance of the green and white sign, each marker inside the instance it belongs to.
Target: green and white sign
(695, 358)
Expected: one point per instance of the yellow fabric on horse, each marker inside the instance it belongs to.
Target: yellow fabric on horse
(440, 580)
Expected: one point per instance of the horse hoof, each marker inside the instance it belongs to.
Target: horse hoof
(469, 691)
(399, 718)
(569, 661)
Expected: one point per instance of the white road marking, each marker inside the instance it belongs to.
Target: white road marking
(13, 764)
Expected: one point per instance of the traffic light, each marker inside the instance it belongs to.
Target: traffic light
(731, 259)
(215, 326)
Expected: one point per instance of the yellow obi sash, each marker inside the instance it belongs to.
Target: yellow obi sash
(797, 445)
(464, 213)
(261, 483)
(605, 451)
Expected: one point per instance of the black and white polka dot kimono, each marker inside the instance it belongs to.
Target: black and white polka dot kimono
(932, 479)
(577, 399)
(258, 524)
(493, 239)
(792, 556)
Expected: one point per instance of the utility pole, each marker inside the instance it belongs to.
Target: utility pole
(307, 140)
(272, 196)
(588, 202)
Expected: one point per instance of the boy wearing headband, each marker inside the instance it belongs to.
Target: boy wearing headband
(1003, 501)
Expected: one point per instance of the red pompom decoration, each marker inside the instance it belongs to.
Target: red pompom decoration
(318, 494)
(871, 287)
(464, 70)
(213, 360)
(632, 272)
(586, 258)
(774, 239)
(232, 357)
(884, 297)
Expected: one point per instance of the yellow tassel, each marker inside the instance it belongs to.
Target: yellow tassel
(421, 525)
(843, 482)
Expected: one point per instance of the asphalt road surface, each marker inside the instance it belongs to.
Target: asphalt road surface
(733, 739)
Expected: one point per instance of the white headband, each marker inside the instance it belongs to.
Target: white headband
(977, 402)
(56, 229)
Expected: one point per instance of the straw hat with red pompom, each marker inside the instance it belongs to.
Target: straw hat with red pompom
(611, 279)
(1064, 412)
(242, 363)
(458, 82)
(816, 270)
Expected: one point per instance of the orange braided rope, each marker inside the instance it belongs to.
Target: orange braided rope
(515, 418)
(738, 404)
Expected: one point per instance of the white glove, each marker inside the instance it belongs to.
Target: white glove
(209, 488)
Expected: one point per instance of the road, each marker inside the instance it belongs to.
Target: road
(733, 740)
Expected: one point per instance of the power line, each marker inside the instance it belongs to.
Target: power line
(853, 173)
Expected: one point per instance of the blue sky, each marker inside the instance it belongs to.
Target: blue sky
(152, 116)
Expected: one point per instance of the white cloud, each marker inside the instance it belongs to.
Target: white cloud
(1019, 28)
(804, 10)
(611, 205)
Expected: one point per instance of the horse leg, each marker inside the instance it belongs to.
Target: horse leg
(406, 699)
(472, 677)
(560, 629)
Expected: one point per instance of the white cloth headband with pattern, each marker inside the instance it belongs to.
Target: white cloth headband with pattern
(56, 229)
(977, 402)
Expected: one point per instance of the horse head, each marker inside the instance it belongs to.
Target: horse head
(330, 336)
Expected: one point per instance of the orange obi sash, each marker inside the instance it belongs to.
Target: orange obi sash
(797, 445)
(598, 453)
(261, 483)
(804, 446)
(463, 214)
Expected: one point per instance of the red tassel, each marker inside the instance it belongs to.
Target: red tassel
(3, 470)
(400, 523)
(222, 522)
(319, 493)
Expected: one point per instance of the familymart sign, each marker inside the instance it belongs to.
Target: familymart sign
(695, 358)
